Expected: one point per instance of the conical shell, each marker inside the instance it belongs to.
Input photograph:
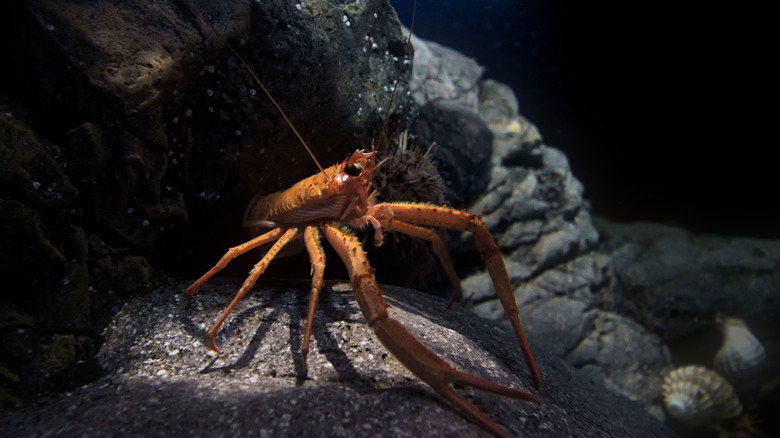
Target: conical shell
(698, 396)
(741, 358)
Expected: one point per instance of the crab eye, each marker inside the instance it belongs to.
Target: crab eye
(353, 169)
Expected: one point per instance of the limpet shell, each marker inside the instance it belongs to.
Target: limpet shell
(741, 357)
(699, 396)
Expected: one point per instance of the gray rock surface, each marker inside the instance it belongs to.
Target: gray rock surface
(445, 87)
(160, 380)
(625, 303)
(535, 208)
(562, 307)
(675, 282)
(532, 204)
(441, 73)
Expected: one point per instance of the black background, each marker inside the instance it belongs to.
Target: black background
(666, 112)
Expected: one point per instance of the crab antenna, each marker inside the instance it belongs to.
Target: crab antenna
(278, 107)
(398, 77)
(265, 90)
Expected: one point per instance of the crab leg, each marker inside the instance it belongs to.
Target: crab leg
(438, 247)
(249, 282)
(317, 257)
(437, 216)
(421, 361)
(231, 254)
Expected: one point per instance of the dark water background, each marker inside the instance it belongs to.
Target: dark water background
(666, 112)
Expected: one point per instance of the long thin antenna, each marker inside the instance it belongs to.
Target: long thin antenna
(398, 77)
(265, 90)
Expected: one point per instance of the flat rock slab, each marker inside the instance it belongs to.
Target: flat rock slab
(160, 380)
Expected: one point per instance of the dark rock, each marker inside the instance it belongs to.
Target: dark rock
(160, 380)
(535, 208)
(133, 138)
(675, 283)
(462, 151)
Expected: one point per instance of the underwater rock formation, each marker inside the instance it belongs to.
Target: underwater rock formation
(535, 208)
(685, 287)
(133, 139)
(160, 377)
(676, 282)
(445, 85)
(621, 302)
(462, 148)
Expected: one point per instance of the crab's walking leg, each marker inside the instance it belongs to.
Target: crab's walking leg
(317, 257)
(437, 216)
(438, 247)
(249, 282)
(231, 254)
(415, 356)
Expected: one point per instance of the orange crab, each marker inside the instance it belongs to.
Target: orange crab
(341, 196)
(331, 202)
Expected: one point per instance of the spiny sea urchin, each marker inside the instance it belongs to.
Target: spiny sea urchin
(407, 175)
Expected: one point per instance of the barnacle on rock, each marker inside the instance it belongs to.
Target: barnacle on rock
(741, 358)
(698, 396)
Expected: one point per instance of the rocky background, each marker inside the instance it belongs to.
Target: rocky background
(158, 379)
(132, 140)
(624, 303)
